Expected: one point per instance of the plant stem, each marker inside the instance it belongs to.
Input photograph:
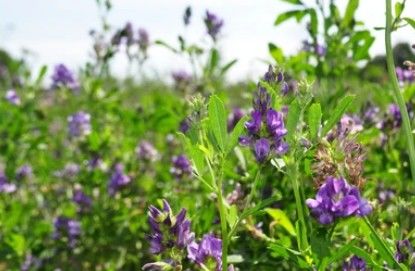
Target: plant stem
(292, 171)
(223, 219)
(396, 89)
(254, 187)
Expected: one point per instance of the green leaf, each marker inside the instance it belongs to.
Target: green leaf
(297, 14)
(217, 121)
(349, 14)
(276, 53)
(227, 66)
(314, 120)
(232, 216)
(398, 9)
(313, 21)
(410, 21)
(337, 114)
(17, 242)
(282, 219)
(295, 2)
(213, 61)
(293, 117)
(235, 134)
(166, 45)
(41, 75)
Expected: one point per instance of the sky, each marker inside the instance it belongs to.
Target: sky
(56, 31)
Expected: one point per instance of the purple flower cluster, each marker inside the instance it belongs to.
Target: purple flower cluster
(347, 125)
(405, 253)
(12, 97)
(336, 199)
(83, 201)
(5, 186)
(266, 129)
(355, 264)
(146, 152)
(405, 75)
(66, 228)
(181, 167)
(168, 231)
(207, 252)
(79, 124)
(63, 77)
(118, 180)
(187, 16)
(213, 24)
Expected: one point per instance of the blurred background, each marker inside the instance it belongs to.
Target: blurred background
(58, 31)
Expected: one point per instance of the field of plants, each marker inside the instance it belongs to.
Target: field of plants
(309, 167)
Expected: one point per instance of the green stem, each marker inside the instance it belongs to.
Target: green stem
(396, 89)
(224, 226)
(247, 203)
(254, 187)
(292, 171)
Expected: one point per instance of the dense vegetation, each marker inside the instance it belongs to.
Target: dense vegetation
(310, 167)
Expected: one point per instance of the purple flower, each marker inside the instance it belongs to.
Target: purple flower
(31, 262)
(254, 124)
(384, 194)
(184, 125)
(124, 35)
(405, 253)
(275, 124)
(66, 228)
(261, 101)
(181, 77)
(395, 114)
(23, 172)
(168, 231)
(236, 115)
(405, 75)
(63, 77)
(146, 152)
(209, 248)
(69, 171)
(336, 199)
(371, 115)
(79, 124)
(5, 186)
(83, 201)
(143, 40)
(355, 264)
(118, 180)
(270, 76)
(261, 150)
(349, 125)
(12, 97)
(181, 167)
(213, 24)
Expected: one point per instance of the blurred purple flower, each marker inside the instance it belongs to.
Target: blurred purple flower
(67, 228)
(181, 167)
(79, 124)
(181, 77)
(336, 199)
(384, 194)
(143, 39)
(5, 186)
(355, 264)
(13, 97)
(405, 253)
(184, 125)
(118, 180)
(30, 263)
(405, 75)
(63, 77)
(146, 152)
(213, 24)
(233, 119)
(83, 201)
(23, 172)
